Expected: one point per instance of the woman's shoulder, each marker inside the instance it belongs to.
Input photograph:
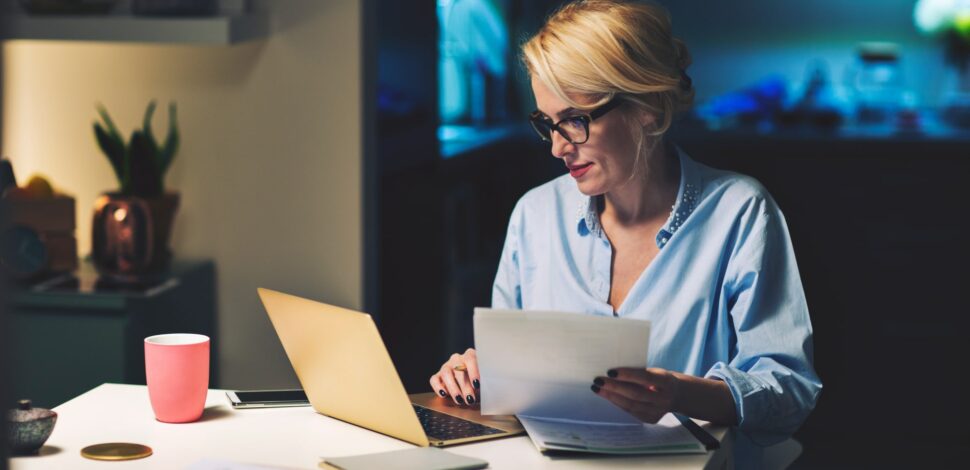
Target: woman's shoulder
(553, 189)
(733, 190)
(546, 208)
(557, 193)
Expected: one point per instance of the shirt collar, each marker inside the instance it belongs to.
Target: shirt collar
(587, 215)
(688, 195)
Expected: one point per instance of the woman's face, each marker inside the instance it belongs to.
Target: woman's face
(605, 161)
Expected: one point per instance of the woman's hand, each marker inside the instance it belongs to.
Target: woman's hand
(458, 378)
(647, 394)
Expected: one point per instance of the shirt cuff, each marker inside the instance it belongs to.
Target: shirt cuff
(744, 390)
(758, 416)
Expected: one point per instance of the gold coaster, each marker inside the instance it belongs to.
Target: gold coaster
(116, 451)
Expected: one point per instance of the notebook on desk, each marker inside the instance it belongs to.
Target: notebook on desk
(347, 374)
(668, 436)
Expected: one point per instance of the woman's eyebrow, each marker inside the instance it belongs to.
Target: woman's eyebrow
(559, 114)
(566, 111)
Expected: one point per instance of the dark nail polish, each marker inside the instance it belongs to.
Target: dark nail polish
(471, 399)
(442, 393)
(599, 381)
(476, 384)
(460, 400)
(612, 373)
(594, 388)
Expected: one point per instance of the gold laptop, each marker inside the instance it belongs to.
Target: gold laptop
(347, 374)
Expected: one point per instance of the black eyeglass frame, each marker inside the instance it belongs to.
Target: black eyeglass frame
(537, 119)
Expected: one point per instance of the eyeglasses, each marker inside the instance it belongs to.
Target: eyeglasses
(575, 129)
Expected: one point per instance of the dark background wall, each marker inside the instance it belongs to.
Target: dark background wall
(442, 221)
(4, 355)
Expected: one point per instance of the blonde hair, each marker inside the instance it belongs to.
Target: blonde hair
(613, 49)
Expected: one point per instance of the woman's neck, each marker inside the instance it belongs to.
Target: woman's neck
(647, 196)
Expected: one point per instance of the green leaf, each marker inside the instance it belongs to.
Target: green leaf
(170, 148)
(112, 130)
(114, 149)
(147, 122)
(126, 170)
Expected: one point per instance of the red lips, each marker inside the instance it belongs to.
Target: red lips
(577, 171)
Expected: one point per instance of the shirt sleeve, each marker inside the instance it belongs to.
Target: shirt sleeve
(507, 289)
(770, 375)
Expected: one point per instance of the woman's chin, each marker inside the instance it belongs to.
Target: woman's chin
(590, 188)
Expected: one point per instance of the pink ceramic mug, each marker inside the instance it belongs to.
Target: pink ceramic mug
(177, 371)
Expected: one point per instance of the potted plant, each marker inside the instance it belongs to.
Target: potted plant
(132, 226)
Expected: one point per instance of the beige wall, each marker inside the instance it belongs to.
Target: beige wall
(269, 169)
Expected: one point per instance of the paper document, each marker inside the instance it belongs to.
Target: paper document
(543, 363)
(539, 366)
(666, 437)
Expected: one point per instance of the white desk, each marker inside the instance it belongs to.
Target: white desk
(290, 438)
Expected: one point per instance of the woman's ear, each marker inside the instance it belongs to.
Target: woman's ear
(647, 119)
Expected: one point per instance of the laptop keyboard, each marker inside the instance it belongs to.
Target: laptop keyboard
(444, 427)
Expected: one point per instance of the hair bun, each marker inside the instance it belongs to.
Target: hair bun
(685, 82)
(682, 54)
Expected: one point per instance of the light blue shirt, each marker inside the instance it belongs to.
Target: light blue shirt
(723, 294)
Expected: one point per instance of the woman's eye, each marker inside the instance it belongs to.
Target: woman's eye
(575, 123)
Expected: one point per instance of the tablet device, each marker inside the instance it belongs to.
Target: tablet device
(426, 458)
(267, 398)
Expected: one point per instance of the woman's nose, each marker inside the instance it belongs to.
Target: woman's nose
(560, 146)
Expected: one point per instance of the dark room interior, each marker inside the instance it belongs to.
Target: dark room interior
(369, 154)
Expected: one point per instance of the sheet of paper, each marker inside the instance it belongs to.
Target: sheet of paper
(543, 363)
(666, 437)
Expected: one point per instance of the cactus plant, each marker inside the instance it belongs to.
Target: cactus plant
(139, 165)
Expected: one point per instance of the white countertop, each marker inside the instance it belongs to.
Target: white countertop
(279, 437)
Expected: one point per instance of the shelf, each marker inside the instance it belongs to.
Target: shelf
(215, 30)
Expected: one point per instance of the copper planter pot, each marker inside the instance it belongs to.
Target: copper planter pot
(130, 236)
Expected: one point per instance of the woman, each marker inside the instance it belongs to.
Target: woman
(639, 230)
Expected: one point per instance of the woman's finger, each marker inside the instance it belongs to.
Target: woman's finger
(619, 400)
(461, 377)
(653, 378)
(637, 392)
(643, 411)
(438, 386)
(458, 378)
(447, 376)
(471, 363)
(630, 390)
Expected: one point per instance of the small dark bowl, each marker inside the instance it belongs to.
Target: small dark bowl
(28, 429)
